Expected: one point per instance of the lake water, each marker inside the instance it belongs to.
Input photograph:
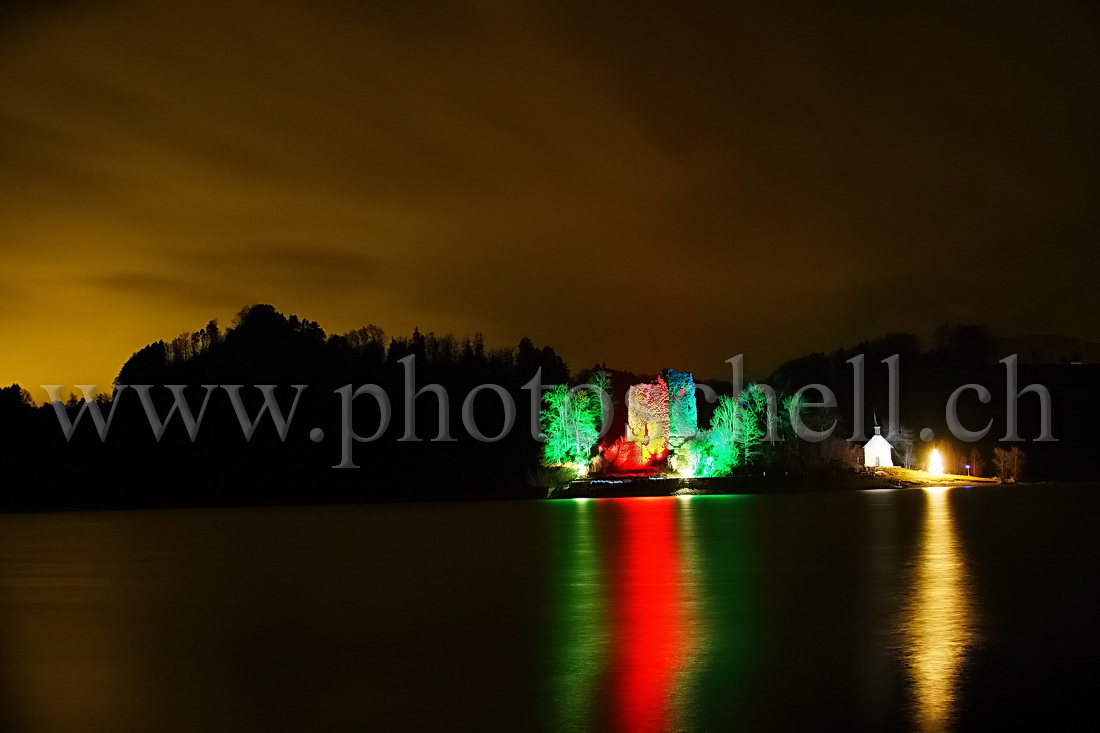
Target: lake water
(918, 609)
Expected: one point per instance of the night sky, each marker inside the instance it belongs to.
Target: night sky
(645, 187)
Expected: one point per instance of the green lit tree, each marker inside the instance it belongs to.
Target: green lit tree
(735, 436)
(758, 420)
(571, 421)
(721, 448)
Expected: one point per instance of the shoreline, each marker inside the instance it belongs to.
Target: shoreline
(777, 483)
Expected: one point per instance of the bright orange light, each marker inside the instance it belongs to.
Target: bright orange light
(935, 463)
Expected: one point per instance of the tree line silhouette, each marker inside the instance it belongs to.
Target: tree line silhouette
(263, 347)
(960, 355)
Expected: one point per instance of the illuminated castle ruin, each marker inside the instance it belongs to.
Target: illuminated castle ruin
(683, 415)
(661, 416)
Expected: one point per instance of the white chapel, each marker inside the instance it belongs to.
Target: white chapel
(877, 451)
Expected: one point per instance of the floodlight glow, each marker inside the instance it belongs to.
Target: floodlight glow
(935, 463)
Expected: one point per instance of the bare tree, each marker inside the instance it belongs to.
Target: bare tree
(834, 452)
(902, 440)
(1009, 463)
(977, 463)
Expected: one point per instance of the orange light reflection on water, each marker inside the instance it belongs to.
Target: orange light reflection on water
(939, 616)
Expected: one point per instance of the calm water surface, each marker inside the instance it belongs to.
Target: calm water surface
(961, 609)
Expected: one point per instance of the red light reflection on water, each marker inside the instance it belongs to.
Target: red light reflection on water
(649, 614)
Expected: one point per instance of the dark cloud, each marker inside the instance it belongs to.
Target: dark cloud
(244, 274)
(148, 287)
(272, 265)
